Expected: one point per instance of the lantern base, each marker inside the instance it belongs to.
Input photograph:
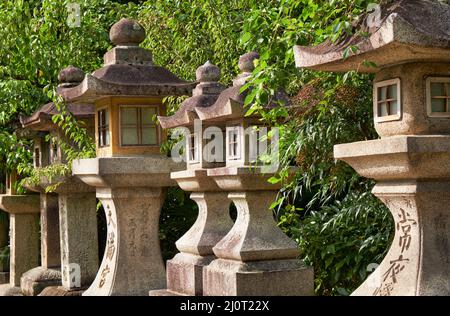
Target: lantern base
(4, 277)
(259, 278)
(61, 291)
(10, 290)
(36, 280)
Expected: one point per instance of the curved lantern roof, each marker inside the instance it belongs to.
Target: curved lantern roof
(230, 103)
(41, 120)
(128, 71)
(204, 95)
(408, 31)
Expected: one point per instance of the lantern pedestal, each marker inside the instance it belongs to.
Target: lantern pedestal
(79, 236)
(412, 175)
(24, 234)
(132, 192)
(4, 265)
(34, 281)
(4, 277)
(73, 261)
(49, 273)
(185, 270)
(255, 257)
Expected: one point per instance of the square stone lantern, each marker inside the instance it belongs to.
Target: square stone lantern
(23, 233)
(203, 150)
(243, 134)
(411, 161)
(254, 257)
(127, 93)
(4, 239)
(72, 205)
(130, 174)
(11, 178)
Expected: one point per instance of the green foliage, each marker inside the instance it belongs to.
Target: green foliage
(341, 240)
(79, 144)
(13, 151)
(177, 216)
(4, 258)
(42, 45)
(341, 228)
(52, 174)
(185, 34)
(274, 30)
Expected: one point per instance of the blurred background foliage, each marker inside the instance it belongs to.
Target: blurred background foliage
(328, 209)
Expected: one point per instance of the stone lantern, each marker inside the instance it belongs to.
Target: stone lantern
(129, 174)
(4, 261)
(4, 239)
(255, 257)
(185, 270)
(65, 248)
(23, 233)
(411, 161)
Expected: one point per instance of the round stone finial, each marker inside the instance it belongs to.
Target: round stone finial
(71, 74)
(127, 32)
(246, 61)
(208, 73)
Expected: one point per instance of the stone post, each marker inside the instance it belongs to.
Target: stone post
(132, 191)
(50, 250)
(185, 270)
(133, 263)
(422, 229)
(4, 274)
(79, 239)
(34, 281)
(24, 238)
(255, 257)
(417, 262)
(24, 235)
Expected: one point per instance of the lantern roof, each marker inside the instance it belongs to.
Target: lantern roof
(230, 103)
(41, 119)
(404, 31)
(204, 95)
(128, 70)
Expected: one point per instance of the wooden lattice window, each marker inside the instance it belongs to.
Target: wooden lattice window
(193, 148)
(137, 126)
(438, 97)
(103, 128)
(234, 143)
(387, 100)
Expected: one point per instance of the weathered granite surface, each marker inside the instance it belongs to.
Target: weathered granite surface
(132, 190)
(24, 238)
(412, 174)
(410, 31)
